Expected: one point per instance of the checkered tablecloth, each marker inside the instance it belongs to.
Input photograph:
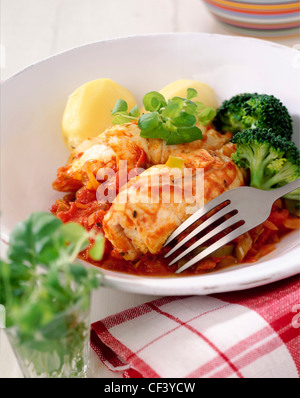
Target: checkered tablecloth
(247, 334)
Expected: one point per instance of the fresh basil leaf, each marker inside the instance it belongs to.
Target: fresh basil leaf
(121, 118)
(43, 224)
(40, 300)
(206, 116)
(31, 236)
(134, 112)
(179, 100)
(184, 135)
(200, 106)
(13, 279)
(148, 121)
(172, 110)
(120, 106)
(73, 233)
(54, 329)
(191, 93)
(153, 101)
(174, 139)
(148, 133)
(166, 117)
(169, 126)
(78, 272)
(160, 132)
(67, 240)
(185, 120)
(97, 250)
(120, 114)
(190, 107)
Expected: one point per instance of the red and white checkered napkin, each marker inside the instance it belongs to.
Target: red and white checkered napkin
(251, 333)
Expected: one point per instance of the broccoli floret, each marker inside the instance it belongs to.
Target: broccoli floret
(272, 161)
(246, 110)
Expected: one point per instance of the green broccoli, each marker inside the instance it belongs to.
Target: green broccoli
(272, 161)
(246, 110)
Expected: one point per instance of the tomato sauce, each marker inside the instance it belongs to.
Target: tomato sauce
(84, 208)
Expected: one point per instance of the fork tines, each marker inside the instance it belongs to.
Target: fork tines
(222, 220)
(221, 242)
(221, 217)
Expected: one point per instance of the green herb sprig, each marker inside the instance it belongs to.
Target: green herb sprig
(173, 121)
(40, 280)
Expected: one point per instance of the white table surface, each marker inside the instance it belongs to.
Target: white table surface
(35, 29)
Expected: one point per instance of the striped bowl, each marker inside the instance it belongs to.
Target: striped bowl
(268, 19)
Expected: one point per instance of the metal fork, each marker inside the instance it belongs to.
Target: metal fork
(248, 208)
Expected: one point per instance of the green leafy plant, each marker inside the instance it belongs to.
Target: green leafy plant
(44, 291)
(174, 121)
(272, 160)
(252, 110)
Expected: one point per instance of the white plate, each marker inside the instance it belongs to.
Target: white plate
(33, 102)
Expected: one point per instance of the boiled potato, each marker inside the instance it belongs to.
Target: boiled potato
(206, 94)
(88, 110)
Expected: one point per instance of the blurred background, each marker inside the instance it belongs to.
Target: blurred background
(35, 29)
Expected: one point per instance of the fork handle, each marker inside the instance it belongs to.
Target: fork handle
(279, 192)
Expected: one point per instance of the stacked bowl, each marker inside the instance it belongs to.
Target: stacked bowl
(268, 19)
